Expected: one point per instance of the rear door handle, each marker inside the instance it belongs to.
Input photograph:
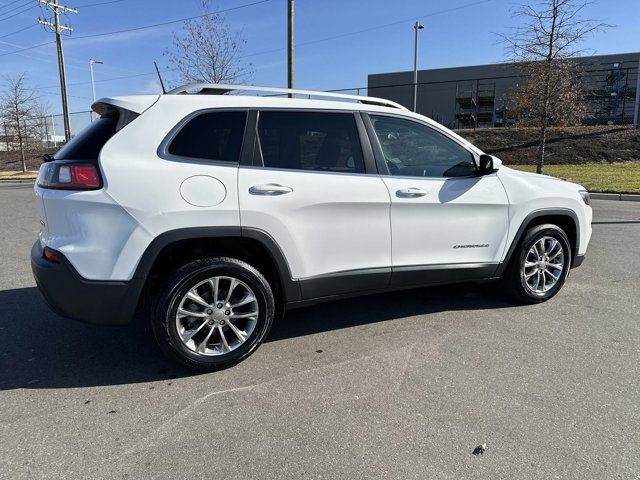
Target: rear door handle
(270, 189)
(411, 192)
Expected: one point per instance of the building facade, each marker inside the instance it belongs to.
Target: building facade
(478, 96)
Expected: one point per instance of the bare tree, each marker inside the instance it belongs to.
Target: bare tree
(206, 50)
(552, 33)
(565, 104)
(39, 127)
(17, 104)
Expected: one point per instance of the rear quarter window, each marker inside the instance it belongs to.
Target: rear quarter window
(212, 136)
(88, 143)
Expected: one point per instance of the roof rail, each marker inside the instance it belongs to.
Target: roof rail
(220, 89)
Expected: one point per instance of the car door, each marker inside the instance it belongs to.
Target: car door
(447, 222)
(312, 190)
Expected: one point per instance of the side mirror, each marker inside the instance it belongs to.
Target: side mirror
(488, 164)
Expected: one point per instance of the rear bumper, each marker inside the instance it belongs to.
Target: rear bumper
(72, 296)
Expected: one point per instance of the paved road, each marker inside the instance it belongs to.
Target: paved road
(402, 385)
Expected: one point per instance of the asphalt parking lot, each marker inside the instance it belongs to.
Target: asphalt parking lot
(403, 385)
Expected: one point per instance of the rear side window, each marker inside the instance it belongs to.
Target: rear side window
(88, 143)
(310, 141)
(215, 136)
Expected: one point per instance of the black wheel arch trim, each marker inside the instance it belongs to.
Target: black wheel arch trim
(544, 212)
(290, 287)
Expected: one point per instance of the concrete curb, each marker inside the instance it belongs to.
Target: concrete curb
(625, 197)
(9, 180)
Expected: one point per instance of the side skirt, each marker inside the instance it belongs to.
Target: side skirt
(439, 274)
(381, 280)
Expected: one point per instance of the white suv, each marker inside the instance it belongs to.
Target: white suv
(214, 213)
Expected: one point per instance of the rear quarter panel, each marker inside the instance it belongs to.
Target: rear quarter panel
(147, 186)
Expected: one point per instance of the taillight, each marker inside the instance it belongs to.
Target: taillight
(69, 176)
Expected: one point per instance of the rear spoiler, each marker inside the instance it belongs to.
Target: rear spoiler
(127, 108)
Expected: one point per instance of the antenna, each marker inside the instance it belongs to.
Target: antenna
(159, 77)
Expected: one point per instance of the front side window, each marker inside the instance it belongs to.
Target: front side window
(416, 150)
(215, 136)
(310, 141)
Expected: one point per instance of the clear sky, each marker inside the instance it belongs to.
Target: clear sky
(338, 42)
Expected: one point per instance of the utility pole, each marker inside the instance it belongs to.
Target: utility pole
(416, 27)
(636, 112)
(93, 83)
(58, 29)
(290, 45)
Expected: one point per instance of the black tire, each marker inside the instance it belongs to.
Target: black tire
(165, 308)
(513, 280)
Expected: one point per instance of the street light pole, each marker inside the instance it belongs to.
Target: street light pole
(416, 27)
(93, 84)
(290, 45)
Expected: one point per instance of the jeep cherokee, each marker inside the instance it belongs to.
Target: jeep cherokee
(214, 213)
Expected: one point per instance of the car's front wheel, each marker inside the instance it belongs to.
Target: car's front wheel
(540, 265)
(213, 313)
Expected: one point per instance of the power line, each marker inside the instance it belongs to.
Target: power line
(310, 42)
(101, 3)
(281, 49)
(377, 27)
(113, 79)
(138, 28)
(18, 13)
(10, 3)
(14, 2)
(37, 92)
(123, 77)
(169, 22)
(27, 48)
(20, 30)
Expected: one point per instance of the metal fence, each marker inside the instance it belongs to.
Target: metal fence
(610, 94)
(42, 132)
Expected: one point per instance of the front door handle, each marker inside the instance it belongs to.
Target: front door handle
(411, 192)
(270, 189)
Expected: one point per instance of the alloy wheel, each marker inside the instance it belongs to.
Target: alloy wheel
(217, 316)
(543, 265)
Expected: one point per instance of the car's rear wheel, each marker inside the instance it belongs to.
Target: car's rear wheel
(213, 313)
(540, 265)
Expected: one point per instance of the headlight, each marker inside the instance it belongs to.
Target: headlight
(585, 197)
